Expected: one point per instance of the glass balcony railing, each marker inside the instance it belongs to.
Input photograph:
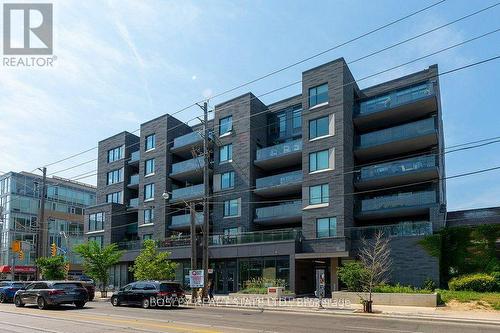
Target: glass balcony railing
(283, 210)
(134, 180)
(190, 192)
(185, 220)
(192, 164)
(279, 150)
(402, 229)
(255, 237)
(133, 203)
(397, 133)
(399, 200)
(281, 179)
(134, 156)
(394, 99)
(174, 241)
(396, 168)
(187, 139)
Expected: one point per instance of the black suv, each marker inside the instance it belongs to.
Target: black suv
(46, 293)
(150, 294)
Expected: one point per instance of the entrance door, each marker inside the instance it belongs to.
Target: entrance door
(230, 280)
(319, 279)
(225, 278)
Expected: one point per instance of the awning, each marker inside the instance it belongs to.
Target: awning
(18, 269)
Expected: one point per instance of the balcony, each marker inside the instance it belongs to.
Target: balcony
(183, 222)
(397, 205)
(183, 144)
(255, 237)
(397, 140)
(411, 170)
(278, 156)
(135, 156)
(133, 182)
(179, 241)
(189, 170)
(403, 229)
(410, 103)
(188, 193)
(279, 185)
(133, 203)
(280, 214)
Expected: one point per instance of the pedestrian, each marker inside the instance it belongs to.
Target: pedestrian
(211, 289)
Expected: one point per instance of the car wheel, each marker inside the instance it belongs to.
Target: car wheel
(145, 303)
(115, 301)
(80, 304)
(40, 302)
(3, 299)
(17, 302)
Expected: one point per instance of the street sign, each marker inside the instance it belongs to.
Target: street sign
(196, 278)
(210, 271)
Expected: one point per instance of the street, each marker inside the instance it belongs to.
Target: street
(102, 317)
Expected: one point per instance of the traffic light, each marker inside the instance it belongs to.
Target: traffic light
(21, 255)
(66, 267)
(53, 249)
(16, 246)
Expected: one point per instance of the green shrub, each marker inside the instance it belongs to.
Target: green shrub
(496, 275)
(263, 283)
(473, 282)
(429, 284)
(386, 288)
(351, 274)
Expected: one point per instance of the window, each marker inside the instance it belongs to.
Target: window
(146, 237)
(282, 124)
(318, 194)
(149, 191)
(231, 208)
(318, 95)
(115, 176)
(96, 221)
(318, 160)
(97, 239)
(149, 167)
(115, 197)
(148, 215)
(231, 231)
(326, 227)
(225, 125)
(319, 127)
(297, 119)
(115, 154)
(226, 153)
(150, 142)
(227, 180)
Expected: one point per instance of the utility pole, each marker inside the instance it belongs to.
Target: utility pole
(206, 182)
(193, 245)
(40, 245)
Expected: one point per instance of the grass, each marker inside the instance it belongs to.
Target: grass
(492, 299)
(385, 288)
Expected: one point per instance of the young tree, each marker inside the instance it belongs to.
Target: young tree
(52, 268)
(152, 264)
(375, 256)
(98, 260)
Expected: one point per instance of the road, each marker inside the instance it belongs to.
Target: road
(102, 317)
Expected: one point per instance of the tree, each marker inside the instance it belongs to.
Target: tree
(98, 260)
(375, 256)
(53, 268)
(152, 264)
(351, 274)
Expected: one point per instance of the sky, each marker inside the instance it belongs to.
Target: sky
(121, 63)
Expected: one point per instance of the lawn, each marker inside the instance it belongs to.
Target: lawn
(492, 299)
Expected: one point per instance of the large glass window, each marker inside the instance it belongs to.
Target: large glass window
(318, 194)
(115, 197)
(225, 125)
(297, 119)
(150, 142)
(318, 95)
(149, 166)
(226, 153)
(227, 180)
(147, 236)
(97, 239)
(115, 176)
(96, 221)
(231, 208)
(148, 215)
(149, 191)
(116, 154)
(282, 124)
(319, 160)
(326, 227)
(318, 127)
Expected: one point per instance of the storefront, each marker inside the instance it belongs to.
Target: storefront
(22, 273)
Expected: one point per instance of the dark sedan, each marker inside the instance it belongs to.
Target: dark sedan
(9, 288)
(150, 294)
(47, 293)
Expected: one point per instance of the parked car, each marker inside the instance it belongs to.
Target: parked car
(9, 288)
(47, 293)
(150, 294)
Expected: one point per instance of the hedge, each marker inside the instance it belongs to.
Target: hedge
(473, 282)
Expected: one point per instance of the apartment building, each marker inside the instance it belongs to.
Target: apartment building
(295, 185)
(65, 204)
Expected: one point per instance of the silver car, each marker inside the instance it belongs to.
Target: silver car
(47, 293)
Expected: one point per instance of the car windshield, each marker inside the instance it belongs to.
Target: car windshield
(170, 287)
(66, 286)
(18, 285)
